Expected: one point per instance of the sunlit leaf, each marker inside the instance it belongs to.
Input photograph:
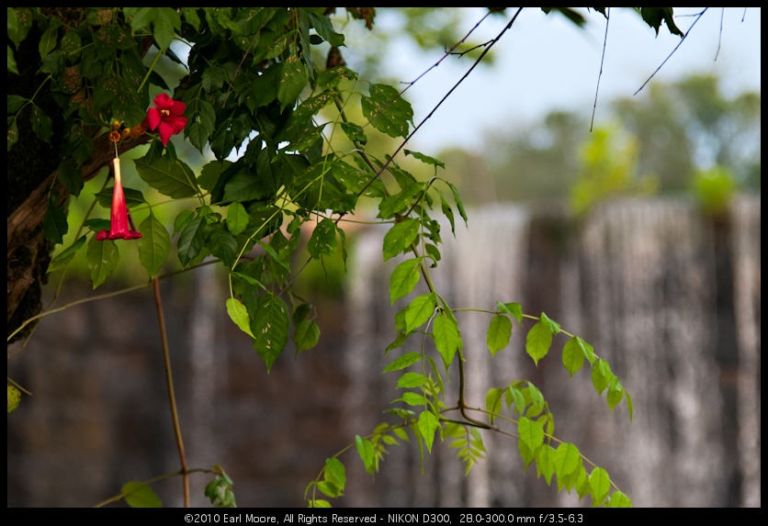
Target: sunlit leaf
(499, 333)
(139, 495)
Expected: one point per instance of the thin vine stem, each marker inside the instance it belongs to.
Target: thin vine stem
(18, 386)
(548, 435)
(440, 102)
(602, 62)
(165, 476)
(446, 54)
(672, 52)
(171, 391)
(102, 297)
(155, 60)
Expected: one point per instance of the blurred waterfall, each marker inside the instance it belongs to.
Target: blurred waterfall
(669, 297)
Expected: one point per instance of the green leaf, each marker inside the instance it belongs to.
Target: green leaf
(14, 398)
(323, 240)
(239, 315)
(71, 44)
(577, 479)
(210, 173)
(55, 223)
(447, 337)
(499, 333)
(202, 123)
(335, 473)
(11, 62)
(140, 18)
(132, 197)
(237, 218)
(191, 240)
(404, 278)
(329, 489)
(48, 39)
(615, 393)
(277, 258)
(191, 17)
(536, 398)
(63, 258)
(567, 459)
(518, 398)
(531, 433)
(433, 252)
(19, 22)
(139, 495)
(306, 335)
(411, 380)
(170, 177)
(619, 500)
(293, 78)
(653, 16)
(318, 503)
(402, 362)
(400, 237)
(459, 203)
(365, 450)
(102, 259)
(573, 356)
(269, 324)
(574, 16)
(70, 177)
(387, 111)
(599, 483)
(630, 408)
(14, 103)
(493, 403)
(355, 133)
(538, 341)
(166, 22)
(154, 245)
(545, 462)
(97, 225)
(427, 425)
(552, 325)
(41, 123)
(414, 399)
(426, 159)
(601, 375)
(513, 309)
(395, 204)
(324, 28)
(419, 311)
(588, 350)
(182, 220)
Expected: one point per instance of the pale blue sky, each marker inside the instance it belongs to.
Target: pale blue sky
(544, 62)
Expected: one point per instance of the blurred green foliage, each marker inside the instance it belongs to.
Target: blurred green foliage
(713, 189)
(663, 140)
(607, 170)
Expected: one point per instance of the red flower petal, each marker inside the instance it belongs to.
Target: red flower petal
(176, 122)
(163, 101)
(177, 107)
(119, 224)
(166, 117)
(165, 130)
(153, 118)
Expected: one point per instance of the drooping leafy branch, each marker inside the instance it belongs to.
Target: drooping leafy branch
(253, 84)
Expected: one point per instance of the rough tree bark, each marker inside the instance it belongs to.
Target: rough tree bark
(31, 170)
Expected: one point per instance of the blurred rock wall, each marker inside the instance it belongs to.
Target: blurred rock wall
(672, 299)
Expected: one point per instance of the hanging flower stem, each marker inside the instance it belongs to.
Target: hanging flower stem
(171, 392)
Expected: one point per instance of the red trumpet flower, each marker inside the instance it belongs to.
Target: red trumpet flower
(166, 117)
(120, 223)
